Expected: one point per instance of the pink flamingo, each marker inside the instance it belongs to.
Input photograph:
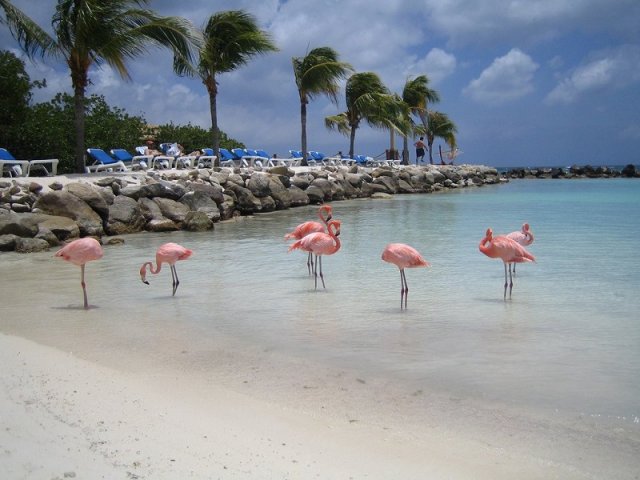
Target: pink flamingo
(306, 228)
(403, 256)
(509, 251)
(168, 253)
(523, 236)
(79, 252)
(320, 243)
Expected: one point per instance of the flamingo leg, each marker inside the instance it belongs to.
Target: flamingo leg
(505, 281)
(310, 263)
(510, 280)
(174, 279)
(84, 287)
(404, 288)
(319, 259)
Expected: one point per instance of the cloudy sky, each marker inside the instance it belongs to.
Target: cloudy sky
(527, 82)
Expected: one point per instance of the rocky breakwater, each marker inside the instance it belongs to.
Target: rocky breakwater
(40, 213)
(575, 171)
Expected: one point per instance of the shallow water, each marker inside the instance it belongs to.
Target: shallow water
(568, 341)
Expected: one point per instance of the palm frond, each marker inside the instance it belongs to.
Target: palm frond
(33, 39)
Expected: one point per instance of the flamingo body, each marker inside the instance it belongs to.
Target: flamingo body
(403, 256)
(79, 252)
(169, 253)
(319, 244)
(306, 228)
(506, 249)
(524, 237)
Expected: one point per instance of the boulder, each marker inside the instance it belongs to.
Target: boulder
(161, 225)
(298, 196)
(173, 210)
(279, 193)
(66, 204)
(197, 222)
(124, 216)
(91, 196)
(259, 185)
(246, 202)
(30, 245)
(199, 201)
(213, 190)
(8, 242)
(324, 185)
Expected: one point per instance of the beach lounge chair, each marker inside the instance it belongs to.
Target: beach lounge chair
(228, 159)
(247, 157)
(207, 158)
(270, 161)
(13, 167)
(102, 161)
(295, 158)
(143, 161)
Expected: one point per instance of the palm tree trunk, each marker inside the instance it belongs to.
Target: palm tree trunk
(303, 135)
(352, 140)
(78, 121)
(392, 144)
(405, 150)
(210, 83)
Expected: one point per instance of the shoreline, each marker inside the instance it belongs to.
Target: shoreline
(93, 421)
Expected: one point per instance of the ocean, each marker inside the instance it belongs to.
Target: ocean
(561, 356)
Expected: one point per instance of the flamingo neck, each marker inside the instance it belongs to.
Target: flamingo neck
(151, 268)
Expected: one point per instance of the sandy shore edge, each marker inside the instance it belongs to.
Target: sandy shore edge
(63, 416)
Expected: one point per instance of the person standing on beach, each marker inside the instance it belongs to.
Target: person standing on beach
(420, 150)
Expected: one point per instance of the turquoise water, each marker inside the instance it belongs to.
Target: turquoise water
(568, 340)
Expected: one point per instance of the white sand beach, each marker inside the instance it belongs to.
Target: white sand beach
(64, 417)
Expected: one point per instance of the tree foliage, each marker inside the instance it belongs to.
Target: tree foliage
(192, 137)
(230, 39)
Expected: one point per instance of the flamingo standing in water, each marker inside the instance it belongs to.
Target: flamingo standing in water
(509, 251)
(304, 229)
(320, 243)
(524, 237)
(79, 252)
(168, 253)
(403, 256)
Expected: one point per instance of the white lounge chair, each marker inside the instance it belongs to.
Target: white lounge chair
(9, 164)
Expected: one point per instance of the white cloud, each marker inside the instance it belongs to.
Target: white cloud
(437, 65)
(507, 78)
(606, 69)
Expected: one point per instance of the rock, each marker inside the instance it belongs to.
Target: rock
(65, 204)
(279, 193)
(35, 187)
(20, 208)
(56, 186)
(259, 185)
(315, 194)
(91, 196)
(268, 204)
(115, 241)
(124, 216)
(172, 210)
(298, 196)
(629, 171)
(162, 225)
(381, 195)
(247, 202)
(214, 191)
(197, 222)
(30, 245)
(8, 242)
(325, 186)
(199, 201)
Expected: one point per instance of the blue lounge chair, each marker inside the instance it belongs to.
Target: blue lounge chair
(228, 159)
(207, 158)
(102, 161)
(18, 168)
(143, 161)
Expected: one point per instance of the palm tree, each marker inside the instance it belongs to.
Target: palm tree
(317, 73)
(417, 95)
(367, 99)
(230, 39)
(94, 32)
(441, 126)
